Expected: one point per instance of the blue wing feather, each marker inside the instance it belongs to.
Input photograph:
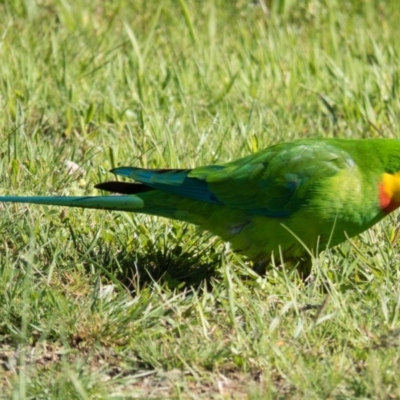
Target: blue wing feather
(172, 181)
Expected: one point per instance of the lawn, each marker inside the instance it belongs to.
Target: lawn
(113, 305)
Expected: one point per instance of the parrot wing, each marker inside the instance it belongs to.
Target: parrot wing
(275, 182)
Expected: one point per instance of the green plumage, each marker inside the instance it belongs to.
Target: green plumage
(287, 200)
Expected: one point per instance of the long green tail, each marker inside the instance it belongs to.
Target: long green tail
(122, 203)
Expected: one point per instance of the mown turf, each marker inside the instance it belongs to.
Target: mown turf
(113, 305)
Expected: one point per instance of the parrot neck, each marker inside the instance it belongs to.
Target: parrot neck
(389, 192)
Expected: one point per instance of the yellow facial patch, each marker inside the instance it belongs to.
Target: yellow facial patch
(389, 192)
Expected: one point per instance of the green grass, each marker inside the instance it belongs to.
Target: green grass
(113, 305)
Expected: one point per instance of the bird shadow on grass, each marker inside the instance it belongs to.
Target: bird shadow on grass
(172, 267)
(168, 264)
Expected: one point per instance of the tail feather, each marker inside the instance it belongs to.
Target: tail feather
(122, 203)
(123, 187)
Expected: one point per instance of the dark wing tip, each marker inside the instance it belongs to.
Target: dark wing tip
(123, 187)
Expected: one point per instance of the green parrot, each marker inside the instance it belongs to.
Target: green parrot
(287, 202)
